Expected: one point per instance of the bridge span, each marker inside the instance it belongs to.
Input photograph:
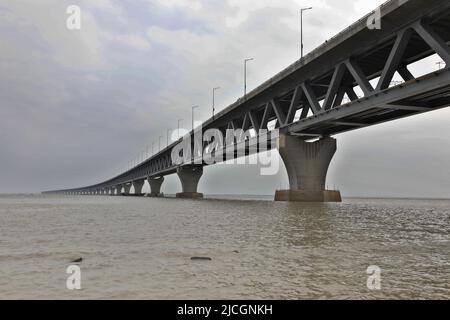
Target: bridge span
(311, 101)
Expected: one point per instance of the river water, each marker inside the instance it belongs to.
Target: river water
(141, 248)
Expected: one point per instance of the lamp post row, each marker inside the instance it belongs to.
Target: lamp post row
(302, 10)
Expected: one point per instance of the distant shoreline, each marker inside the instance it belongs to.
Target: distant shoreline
(256, 197)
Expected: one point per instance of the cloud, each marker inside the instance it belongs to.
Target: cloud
(189, 4)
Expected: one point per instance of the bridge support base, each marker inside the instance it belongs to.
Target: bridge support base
(138, 184)
(190, 195)
(308, 196)
(155, 187)
(190, 176)
(307, 165)
(126, 189)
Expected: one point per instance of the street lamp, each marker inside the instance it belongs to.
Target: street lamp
(214, 100)
(168, 133)
(153, 148)
(193, 109)
(160, 137)
(245, 75)
(301, 27)
(179, 121)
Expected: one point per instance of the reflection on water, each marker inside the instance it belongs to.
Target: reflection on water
(136, 248)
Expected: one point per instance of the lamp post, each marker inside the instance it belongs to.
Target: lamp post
(301, 27)
(214, 100)
(168, 133)
(153, 148)
(160, 138)
(245, 76)
(179, 121)
(193, 109)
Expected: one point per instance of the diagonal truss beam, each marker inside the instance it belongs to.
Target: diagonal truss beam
(351, 94)
(266, 115)
(295, 102)
(339, 97)
(335, 84)
(434, 41)
(246, 123)
(311, 97)
(254, 121)
(405, 73)
(305, 110)
(278, 112)
(394, 59)
(359, 76)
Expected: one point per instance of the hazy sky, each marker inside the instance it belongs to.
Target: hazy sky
(77, 106)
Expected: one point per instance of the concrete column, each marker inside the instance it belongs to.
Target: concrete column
(118, 190)
(126, 189)
(138, 184)
(155, 187)
(307, 165)
(190, 176)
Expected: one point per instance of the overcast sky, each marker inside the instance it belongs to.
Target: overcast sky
(77, 106)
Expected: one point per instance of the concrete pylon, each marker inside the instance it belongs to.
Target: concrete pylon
(155, 187)
(138, 184)
(307, 166)
(118, 190)
(126, 189)
(190, 176)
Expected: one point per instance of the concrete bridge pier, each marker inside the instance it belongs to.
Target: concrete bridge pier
(307, 165)
(155, 187)
(138, 184)
(118, 190)
(190, 176)
(126, 189)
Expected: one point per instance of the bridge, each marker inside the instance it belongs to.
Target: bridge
(303, 107)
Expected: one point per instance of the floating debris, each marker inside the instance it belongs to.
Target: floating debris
(201, 259)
